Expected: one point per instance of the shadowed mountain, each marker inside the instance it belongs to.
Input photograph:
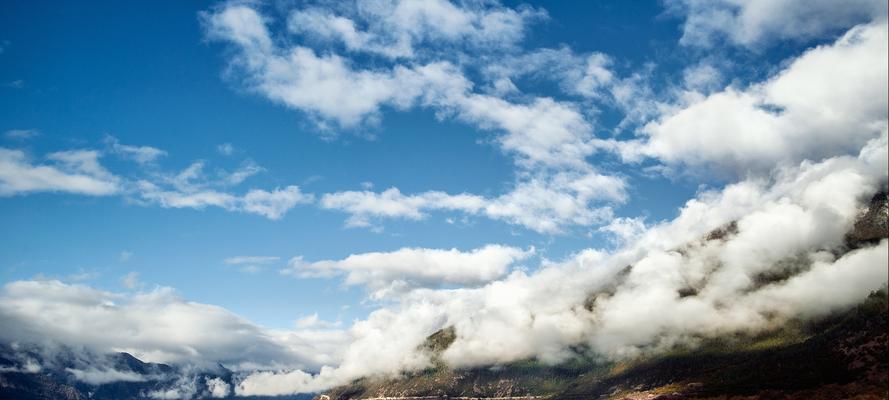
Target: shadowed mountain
(26, 374)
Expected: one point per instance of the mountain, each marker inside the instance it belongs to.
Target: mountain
(841, 356)
(75, 375)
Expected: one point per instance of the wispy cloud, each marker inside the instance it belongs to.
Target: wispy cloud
(21, 134)
(131, 280)
(225, 149)
(252, 264)
(547, 204)
(139, 154)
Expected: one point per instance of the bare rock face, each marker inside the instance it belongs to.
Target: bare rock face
(873, 222)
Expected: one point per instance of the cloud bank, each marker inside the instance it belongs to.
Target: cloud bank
(407, 268)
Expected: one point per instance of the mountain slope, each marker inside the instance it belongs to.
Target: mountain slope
(843, 355)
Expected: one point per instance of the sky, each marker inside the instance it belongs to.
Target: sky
(319, 169)
(160, 81)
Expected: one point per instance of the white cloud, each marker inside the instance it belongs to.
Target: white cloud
(588, 75)
(184, 388)
(386, 273)
(95, 376)
(754, 23)
(792, 224)
(804, 211)
(131, 280)
(299, 78)
(150, 192)
(79, 171)
(392, 203)
(218, 388)
(26, 366)
(76, 171)
(21, 134)
(315, 322)
(402, 29)
(831, 100)
(247, 169)
(792, 139)
(125, 255)
(274, 204)
(702, 77)
(191, 188)
(251, 264)
(545, 204)
(139, 154)
(624, 230)
(545, 132)
(251, 260)
(225, 149)
(273, 383)
(541, 131)
(270, 204)
(155, 326)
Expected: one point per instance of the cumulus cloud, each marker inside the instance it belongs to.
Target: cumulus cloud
(300, 78)
(75, 171)
(388, 273)
(832, 99)
(218, 388)
(624, 230)
(711, 271)
(274, 204)
(326, 85)
(549, 139)
(705, 273)
(155, 326)
(754, 23)
(407, 29)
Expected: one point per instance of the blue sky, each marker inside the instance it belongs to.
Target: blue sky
(147, 75)
(328, 183)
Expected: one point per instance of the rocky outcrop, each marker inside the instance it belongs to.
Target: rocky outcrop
(872, 223)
